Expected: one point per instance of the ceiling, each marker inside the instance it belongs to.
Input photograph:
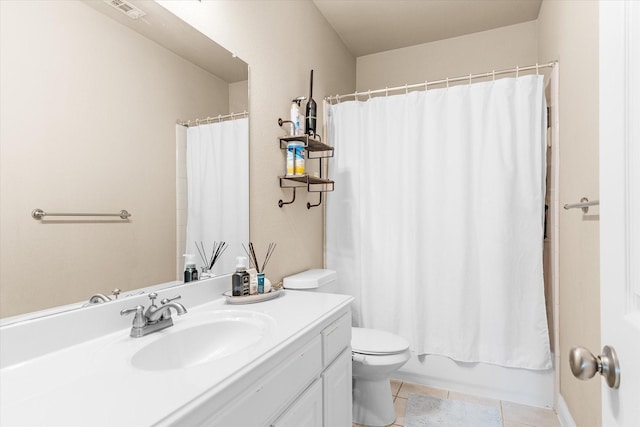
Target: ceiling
(372, 26)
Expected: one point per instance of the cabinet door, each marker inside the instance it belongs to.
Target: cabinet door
(270, 395)
(337, 388)
(306, 411)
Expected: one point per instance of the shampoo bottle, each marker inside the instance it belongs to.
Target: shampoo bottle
(294, 117)
(240, 279)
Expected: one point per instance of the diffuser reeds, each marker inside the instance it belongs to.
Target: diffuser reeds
(216, 252)
(253, 259)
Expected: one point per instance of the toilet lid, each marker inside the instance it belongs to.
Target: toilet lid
(373, 341)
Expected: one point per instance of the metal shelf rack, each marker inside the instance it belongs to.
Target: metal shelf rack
(315, 149)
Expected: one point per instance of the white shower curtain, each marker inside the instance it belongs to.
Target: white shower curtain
(218, 189)
(436, 222)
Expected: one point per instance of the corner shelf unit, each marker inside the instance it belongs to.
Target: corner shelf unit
(315, 149)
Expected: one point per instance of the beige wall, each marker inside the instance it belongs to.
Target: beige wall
(282, 41)
(238, 97)
(568, 32)
(88, 124)
(475, 53)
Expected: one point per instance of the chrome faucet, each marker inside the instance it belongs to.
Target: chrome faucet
(98, 298)
(155, 318)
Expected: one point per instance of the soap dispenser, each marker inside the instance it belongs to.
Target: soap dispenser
(190, 271)
(240, 279)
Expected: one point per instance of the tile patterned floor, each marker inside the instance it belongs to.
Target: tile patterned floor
(512, 414)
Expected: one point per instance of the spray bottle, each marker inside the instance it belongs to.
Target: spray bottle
(310, 118)
(297, 119)
(190, 271)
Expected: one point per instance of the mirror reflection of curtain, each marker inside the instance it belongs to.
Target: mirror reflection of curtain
(436, 227)
(218, 183)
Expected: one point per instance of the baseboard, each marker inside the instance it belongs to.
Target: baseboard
(564, 415)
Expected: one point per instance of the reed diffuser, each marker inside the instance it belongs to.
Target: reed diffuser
(253, 259)
(208, 262)
(262, 284)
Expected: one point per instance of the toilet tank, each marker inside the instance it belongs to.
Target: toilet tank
(317, 279)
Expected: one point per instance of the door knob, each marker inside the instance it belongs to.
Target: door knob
(584, 365)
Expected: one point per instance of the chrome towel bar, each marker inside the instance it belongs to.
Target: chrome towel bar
(39, 213)
(584, 204)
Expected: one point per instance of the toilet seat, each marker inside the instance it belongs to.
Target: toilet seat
(376, 342)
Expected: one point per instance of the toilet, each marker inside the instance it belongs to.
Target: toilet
(375, 355)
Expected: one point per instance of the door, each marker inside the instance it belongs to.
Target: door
(620, 204)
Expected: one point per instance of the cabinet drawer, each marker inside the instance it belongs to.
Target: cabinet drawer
(335, 338)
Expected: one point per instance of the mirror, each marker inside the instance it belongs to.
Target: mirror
(89, 103)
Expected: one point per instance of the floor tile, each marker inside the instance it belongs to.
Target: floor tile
(400, 405)
(528, 415)
(512, 414)
(395, 386)
(407, 388)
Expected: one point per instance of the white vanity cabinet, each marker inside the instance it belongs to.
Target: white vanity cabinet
(332, 390)
(297, 372)
(311, 386)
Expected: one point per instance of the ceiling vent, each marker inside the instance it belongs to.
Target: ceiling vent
(127, 8)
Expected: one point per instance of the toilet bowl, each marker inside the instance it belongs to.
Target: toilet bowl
(375, 354)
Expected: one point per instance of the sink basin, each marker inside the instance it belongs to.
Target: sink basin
(205, 340)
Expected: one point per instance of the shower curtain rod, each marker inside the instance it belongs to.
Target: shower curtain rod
(219, 118)
(446, 81)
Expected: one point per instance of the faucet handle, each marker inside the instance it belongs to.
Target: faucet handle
(153, 307)
(168, 300)
(138, 320)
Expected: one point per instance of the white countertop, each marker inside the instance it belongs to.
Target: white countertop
(93, 383)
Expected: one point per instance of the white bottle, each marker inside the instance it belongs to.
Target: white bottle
(294, 116)
(300, 128)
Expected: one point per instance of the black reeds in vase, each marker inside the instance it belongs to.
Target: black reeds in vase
(253, 259)
(216, 253)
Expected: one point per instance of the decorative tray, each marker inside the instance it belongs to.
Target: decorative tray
(250, 299)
